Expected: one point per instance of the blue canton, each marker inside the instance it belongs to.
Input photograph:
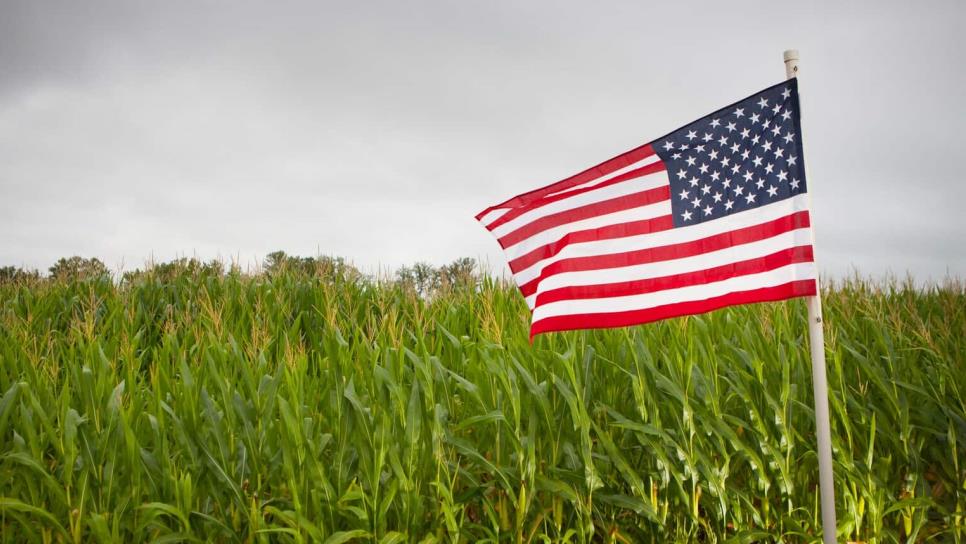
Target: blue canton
(738, 158)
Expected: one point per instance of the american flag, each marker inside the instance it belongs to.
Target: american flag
(711, 215)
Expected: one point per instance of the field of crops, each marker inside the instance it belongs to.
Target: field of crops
(300, 407)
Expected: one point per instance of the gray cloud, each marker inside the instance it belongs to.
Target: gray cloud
(376, 130)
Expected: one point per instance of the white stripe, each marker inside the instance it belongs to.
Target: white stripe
(651, 159)
(785, 274)
(493, 215)
(623, 188)
(554, 234)
(747, 218)
(703, 261)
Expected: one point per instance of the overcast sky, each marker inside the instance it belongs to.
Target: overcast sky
(375, 131)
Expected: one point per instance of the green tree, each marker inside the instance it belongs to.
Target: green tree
(14, 274)
(76, 267)
(323, 266)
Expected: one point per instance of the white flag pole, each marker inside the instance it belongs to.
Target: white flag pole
(816, 340)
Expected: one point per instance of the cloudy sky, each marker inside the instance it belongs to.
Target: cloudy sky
(375, 131)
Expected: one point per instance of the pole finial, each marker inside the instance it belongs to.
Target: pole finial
(791, 62)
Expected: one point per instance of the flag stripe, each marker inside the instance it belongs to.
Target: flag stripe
(654, 164)
(798, 254)
(650, 211)
(797, 288)
(798, 271)
(609, 206)
(673, 252)
(526, 269)
(599, 234)
(491, 215)
(630, 157)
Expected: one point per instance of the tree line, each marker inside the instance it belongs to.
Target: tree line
(421, 278)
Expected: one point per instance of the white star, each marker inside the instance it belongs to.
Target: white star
(691, 161)
(684, 194)
(782, 176)
(755, 139)
(776, 109)
(696, 202)
(729, 204)
(739, 190)
(735, 148)
(786, 93)
(683, 147)
(731, 127)
(706, 137)
(766, 146)
(722, 141)
(682, 174)
(735, 168)
(693, 182)
(727, 183)
(745, 133)
(703, 168)
(757, 161)
(745, 154)
(676, 156)
(766, 124)
(692, 135)
(668, 145)
(760, 184)
(713, 154)
(748, 175)
(700, 148)
(793, 160)
(762, 103)
(755, 117)
(705, 190)
(717, 196)
(769, 167)
(786, 114)
(772, 191)
(686, 215)
(715, 175)
(789, 137)
(707, 210)
(750, 197)
(725, 162)
(776, 130)
(740, 112)
(715, 123)
(795, 183)
(778, 152)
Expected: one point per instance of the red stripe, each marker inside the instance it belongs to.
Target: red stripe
(669, 252)
(621, 230)
(517, 212)
(800, 288)
(604, 207)
(792, 255)
(612, 165)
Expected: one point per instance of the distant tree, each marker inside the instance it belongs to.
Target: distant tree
(322, 267)
(14, 274)
(274, 261)
(75, 267)
(420, 278)
(459, 273)
(171, 270)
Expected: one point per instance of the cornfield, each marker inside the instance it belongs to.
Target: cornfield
(300, 407)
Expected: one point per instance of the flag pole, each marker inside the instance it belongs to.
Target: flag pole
(816, 340)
